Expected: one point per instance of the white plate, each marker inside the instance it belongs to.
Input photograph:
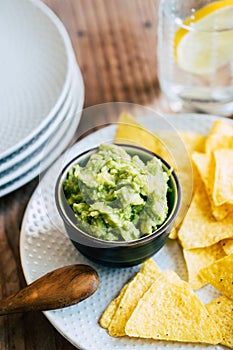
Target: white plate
(53, 148)
(35, 143)
(36, 70)
(35, 151)
(44, 246)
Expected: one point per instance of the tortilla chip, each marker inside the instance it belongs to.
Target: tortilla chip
(149, 267)
(198, 258)
(109, 312)
(169, 147)
(197, 183)
(206, 166)
(214, 170)
(220, 136)
(170, 310)
(193, 141)
(136, 288)
(199, 228)
(186, 192)
(130, 131)
(221, 310)
(227, 245)
(109, 319)
(186, 189)
(220, 275)
(184, 178)
(223, 179)
(172, 277)
(174, 233)
(187, 178)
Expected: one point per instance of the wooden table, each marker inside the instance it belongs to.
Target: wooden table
(115, 46)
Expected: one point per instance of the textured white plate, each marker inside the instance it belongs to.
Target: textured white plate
(35, 70)
(44, 246)
(52, 149)
(35, 151)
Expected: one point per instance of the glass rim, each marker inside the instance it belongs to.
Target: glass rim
(191, 28)
(167, 12)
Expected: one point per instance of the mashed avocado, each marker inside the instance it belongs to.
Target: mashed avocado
(116, 196)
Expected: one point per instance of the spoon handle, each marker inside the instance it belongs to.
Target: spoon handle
(60, 288)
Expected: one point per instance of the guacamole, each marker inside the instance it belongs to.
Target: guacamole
(116, 196)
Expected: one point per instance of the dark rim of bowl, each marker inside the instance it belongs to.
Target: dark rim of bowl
(161, 229)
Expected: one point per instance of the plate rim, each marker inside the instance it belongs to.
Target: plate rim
(77, 88)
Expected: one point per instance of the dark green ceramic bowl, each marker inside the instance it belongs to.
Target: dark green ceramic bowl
(118, 253)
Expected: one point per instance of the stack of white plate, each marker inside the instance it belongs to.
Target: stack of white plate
(41, 91)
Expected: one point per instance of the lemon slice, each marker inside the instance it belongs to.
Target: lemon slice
(205, 42)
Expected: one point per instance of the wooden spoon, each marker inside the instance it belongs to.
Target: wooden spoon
(60, 288)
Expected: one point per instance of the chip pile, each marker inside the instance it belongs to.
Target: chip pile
(206, 233)
(159, 305)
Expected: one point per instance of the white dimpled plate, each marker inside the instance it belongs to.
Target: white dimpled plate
(44, 246)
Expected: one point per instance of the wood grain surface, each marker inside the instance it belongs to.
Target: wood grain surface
(115, 46)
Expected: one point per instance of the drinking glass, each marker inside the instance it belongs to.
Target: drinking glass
(195, 55)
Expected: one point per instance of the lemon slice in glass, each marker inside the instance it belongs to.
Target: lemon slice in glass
(204, 41)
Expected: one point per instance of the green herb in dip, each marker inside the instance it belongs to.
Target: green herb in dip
(117, 197)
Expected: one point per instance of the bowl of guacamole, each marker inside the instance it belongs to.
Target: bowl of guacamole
(118, 203)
